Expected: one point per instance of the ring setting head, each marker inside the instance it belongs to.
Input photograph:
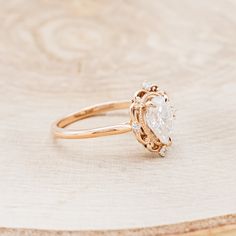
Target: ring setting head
(152, 118)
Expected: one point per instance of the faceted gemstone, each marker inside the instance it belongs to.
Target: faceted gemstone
(159, 118)
(136, 127)
(147, 85)
(162, 151)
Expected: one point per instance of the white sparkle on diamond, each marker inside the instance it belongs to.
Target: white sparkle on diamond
(147, 85)
(159, 118)
(136, 127)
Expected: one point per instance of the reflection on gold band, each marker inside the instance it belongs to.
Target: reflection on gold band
(59, 127)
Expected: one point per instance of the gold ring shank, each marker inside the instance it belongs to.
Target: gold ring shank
(59, 127)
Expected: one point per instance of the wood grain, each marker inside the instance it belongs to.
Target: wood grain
(218, 226)
(58, 56)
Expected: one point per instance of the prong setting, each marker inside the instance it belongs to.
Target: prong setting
(150, 97)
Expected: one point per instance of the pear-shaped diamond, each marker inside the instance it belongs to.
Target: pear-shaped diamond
(159, 118)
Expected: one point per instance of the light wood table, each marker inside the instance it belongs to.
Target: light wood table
(58, 56)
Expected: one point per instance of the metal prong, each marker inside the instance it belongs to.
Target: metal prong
(150, 104)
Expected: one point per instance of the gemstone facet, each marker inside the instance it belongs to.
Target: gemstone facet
(147, 85)
(136, 127)
(159, 118)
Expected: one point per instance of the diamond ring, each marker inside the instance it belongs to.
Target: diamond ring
(151, 118)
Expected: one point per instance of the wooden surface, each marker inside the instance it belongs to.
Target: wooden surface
(59, 56)
(218, 226)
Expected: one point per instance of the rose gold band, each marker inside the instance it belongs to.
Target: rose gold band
(150, 120)
(59, 127)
